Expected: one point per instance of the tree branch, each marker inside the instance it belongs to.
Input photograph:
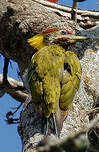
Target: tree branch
(15, 89)
(84, 17)
(5, 81)
(91, 13)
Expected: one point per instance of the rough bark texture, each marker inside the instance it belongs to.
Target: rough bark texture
(22, 19)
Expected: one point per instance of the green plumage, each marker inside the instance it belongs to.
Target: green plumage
(54, 77)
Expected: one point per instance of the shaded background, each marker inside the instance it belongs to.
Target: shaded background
(9, 138)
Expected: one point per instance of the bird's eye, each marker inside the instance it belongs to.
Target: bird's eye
(67, 67)
(64, 33)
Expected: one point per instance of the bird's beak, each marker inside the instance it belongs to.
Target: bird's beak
(79, 38)
(70, 37)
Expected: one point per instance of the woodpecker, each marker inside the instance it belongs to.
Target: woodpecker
(54, 75)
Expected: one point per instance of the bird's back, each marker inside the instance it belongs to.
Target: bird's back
(45, 74)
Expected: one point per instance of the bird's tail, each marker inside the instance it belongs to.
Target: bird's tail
(54, 124)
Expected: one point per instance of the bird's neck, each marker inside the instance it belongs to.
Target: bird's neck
(40, 42)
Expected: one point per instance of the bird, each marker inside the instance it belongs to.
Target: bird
(54, 75)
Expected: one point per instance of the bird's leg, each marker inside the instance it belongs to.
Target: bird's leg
(55, 125)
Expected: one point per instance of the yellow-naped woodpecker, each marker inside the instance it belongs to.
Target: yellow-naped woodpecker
(54, 75)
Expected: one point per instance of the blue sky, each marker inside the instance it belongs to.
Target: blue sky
(9, 138)
(88, 4)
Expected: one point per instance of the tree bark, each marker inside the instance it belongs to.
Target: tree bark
(20, 20)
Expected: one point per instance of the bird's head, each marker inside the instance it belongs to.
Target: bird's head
(53, 36)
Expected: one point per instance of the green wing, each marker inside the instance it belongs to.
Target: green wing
(71, 79)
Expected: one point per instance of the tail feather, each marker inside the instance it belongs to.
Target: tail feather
(54, 123)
